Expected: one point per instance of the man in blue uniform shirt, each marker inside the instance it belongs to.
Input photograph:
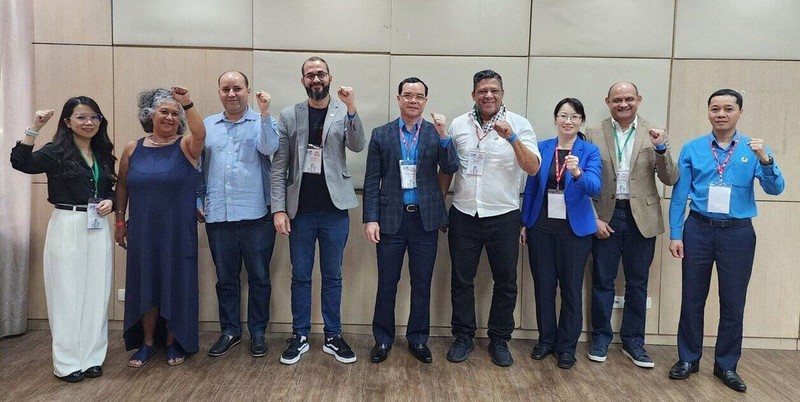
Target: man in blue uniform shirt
(717, 173)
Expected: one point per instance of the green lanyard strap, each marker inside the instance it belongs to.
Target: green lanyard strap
(95, 172)
(625, 144)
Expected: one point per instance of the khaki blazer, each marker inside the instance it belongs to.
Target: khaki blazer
(646, 164)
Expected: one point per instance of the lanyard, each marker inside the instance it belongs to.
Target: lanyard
(95, 172)
(479, 137)
(410, 148)
(625, 144)
(560, 169)
(721, 166)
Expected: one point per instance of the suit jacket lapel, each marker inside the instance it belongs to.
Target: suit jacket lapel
(638, 141)
(301, 121)
(333, 110)
(611, 144)
(547, 151)
(393, 137)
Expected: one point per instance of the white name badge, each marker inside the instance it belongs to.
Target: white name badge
(408, 175)
(313, 163)
(93, 218)
(475, 162)
(556, 206)
(719, 198)
(623, 182)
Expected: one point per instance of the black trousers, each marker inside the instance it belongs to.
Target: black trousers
(467, 237)
(558, 261)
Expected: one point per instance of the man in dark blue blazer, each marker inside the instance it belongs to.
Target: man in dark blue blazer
(403, 209)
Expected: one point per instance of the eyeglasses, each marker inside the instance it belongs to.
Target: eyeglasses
(570, 117)
(83, 118)
(409, 97)
(321, 75)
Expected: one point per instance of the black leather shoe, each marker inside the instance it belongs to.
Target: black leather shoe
(566, 360)
(421, 352)
(223, 345)
(541, 350)
(93, 372)
(72, 377)
(258, 346)
(682, 370)
(379, 352)
(730, 379)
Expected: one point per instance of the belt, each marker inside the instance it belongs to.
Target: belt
(622, 204)
(411, 208)
(67, 207)
(719, 223)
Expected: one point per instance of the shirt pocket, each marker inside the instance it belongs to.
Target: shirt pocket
(247, 150)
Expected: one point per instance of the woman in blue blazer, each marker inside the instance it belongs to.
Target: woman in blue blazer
(558, 226)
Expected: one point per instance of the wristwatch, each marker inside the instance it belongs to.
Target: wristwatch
(769, 162)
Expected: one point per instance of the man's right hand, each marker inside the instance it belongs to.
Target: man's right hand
(282, 224)
(373, 232)
(603, 229)
(676, 248)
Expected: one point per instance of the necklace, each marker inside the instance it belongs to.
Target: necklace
(168, 141)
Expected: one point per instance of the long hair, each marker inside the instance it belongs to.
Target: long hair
(101, 145)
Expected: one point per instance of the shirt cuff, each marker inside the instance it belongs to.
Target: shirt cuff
(445, 142)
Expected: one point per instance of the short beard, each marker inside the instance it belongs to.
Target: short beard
(318, 95)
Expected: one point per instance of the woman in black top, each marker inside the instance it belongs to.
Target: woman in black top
(78, 252)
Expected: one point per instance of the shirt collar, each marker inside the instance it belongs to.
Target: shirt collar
(616, 126)
(402, 124)
(735, 139)
(250, 114)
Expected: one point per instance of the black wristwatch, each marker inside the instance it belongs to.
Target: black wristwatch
(768, 162)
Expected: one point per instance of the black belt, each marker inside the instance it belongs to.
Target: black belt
(622, 204)
(719, 223)
(67, 207)
(411, 208)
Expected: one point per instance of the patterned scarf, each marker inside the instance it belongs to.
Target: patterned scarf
(489, 125)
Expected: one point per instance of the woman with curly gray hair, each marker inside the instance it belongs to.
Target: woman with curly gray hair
(158, 177)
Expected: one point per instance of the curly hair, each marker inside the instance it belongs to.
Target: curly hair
(149, 101)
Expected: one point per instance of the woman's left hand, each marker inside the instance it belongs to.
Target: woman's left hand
(181, 95)
(104, 207)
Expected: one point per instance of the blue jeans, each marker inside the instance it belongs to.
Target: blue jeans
(231, 243)
(421, 246)
(331, 230)
(733, 250)
(636, 252)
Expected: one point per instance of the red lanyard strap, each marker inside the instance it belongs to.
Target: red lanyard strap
(560, 169)
(721, 166)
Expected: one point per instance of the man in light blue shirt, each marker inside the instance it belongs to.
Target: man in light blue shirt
(717, 172)
(237, 167)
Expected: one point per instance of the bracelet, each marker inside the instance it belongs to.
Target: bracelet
(189, 106)
(120, 224)
(512, 138)
(119, 212)
(31, 133)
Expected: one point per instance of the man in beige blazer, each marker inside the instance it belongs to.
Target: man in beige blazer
(633, 153)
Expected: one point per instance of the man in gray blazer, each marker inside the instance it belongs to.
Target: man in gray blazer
(311, 193)
(633, 153)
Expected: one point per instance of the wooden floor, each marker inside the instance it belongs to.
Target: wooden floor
(26, 374)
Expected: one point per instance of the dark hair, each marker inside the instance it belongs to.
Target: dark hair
(727, 92)
(485, 75)
(314, 58)
(577, 105)
(411, 80)
(246, 81)
(101, 145)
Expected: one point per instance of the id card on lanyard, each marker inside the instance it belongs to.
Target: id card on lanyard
(313, 162)
(556, 204)
(719, 192)
(477, 157)
(93, 218)
(408, 165)
(624, 169)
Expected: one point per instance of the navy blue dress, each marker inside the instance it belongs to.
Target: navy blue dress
(162, 245)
